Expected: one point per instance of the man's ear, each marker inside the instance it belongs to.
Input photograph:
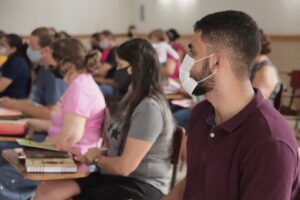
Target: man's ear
(217, 60)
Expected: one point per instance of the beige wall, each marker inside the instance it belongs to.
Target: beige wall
(73, 16)
(274, 16)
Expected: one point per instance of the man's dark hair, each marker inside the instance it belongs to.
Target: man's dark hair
(132, 27)
(235, 32)
(107, 34)
(45, 35)
(2, 34)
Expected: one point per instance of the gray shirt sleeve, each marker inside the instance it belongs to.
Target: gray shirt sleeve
(146, 121)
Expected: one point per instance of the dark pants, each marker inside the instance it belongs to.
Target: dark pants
(109, 187)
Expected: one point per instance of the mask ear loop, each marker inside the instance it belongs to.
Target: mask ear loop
(211, 73)
(207, 77)
(204, 57)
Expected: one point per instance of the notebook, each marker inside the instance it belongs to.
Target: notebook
(50, 165)
(12, 127)
(9, 113)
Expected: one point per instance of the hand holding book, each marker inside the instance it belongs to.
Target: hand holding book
(89, 157)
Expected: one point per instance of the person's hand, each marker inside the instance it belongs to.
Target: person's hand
(99, 79)
(89, 156)
(9, 103)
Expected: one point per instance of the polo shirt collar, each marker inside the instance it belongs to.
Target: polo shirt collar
(234, 122)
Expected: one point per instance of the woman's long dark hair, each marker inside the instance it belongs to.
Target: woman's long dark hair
(145, 67)
(15, 41)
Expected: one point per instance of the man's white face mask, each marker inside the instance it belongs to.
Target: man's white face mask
(188, 83)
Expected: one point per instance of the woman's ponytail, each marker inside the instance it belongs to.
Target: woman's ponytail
(92, 60)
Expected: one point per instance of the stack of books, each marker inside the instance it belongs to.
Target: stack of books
(9, 114)
(12, 127)
(45, 158)
(9, 126)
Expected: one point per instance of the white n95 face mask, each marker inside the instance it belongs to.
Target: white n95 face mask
(188, 83)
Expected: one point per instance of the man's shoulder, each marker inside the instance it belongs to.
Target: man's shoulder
(266, 124)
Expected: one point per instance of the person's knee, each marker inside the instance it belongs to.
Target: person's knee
(44, 193)
(56, 190)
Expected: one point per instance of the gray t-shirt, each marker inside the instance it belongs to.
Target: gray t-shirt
(147, 124)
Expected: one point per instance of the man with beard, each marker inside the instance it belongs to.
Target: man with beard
(239, 147)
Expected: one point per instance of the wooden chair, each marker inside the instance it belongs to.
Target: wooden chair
(282, 109)
(295, 85)
(177, 151)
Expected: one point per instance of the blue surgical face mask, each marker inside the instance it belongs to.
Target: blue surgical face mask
(34, 56)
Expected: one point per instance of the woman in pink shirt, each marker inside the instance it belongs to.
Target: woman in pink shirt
(77, 119)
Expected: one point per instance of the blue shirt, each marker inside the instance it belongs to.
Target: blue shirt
(48, 88)
(16, 69)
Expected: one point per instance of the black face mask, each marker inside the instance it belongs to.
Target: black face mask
(122, 78)
(56, 72)
(201, 90)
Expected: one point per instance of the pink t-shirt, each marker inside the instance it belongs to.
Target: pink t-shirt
(175, 75)
(105, 54)
(84, 98)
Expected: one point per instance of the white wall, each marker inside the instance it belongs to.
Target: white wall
(88, 16)
(274, 16)
(74, 16)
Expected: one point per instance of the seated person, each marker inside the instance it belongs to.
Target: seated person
(264, 74)
(15, 73)
(108, 67)
(140, 137)
(158, 39)
(168, 57)
(76, 121)
(47, 91)
(63, 35)
(2, 57)
(47, 88)
(132, 32)
(174, 36)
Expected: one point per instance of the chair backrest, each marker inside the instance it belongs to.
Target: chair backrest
(278, 98)
(295, 79)
(177, 145)
(177, 151)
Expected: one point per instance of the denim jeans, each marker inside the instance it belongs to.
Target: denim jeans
(12, 184)
(182, 116)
